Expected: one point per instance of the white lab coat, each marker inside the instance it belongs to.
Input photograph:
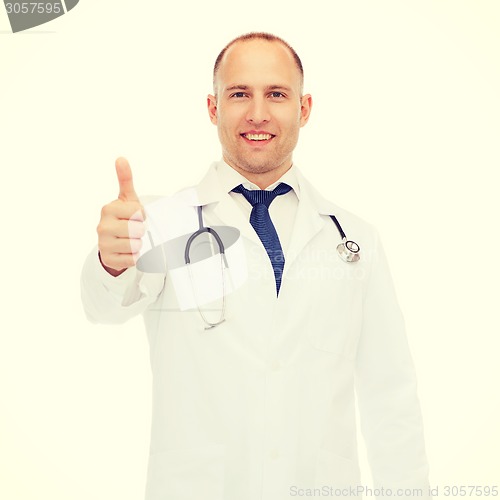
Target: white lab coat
(262, 407)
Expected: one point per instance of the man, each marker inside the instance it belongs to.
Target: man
(256, 364)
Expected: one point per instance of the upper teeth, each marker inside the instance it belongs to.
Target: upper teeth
(258, 137)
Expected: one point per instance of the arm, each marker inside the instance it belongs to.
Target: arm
(390, 415)
(112, 288)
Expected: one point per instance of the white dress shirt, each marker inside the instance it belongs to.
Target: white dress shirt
(283, 208)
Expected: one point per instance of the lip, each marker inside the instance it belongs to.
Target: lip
(257, 132)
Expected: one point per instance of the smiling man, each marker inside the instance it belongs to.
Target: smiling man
(261, 349)
(258, 107)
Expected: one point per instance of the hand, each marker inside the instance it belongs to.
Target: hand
(122, 225)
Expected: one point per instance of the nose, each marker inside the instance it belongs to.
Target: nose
(258, 111)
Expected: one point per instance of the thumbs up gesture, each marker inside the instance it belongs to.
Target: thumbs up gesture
(122, 225)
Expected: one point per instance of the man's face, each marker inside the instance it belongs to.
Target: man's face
(259, 108)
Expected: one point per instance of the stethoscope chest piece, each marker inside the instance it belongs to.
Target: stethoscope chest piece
(348, 250)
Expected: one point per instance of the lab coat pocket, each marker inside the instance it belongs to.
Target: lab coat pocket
(337, 474)
(187, 474)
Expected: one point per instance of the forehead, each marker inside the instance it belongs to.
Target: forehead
(258, 63)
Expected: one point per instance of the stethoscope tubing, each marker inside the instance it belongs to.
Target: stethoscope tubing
(348, 251)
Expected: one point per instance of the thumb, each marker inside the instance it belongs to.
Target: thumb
(124, 174)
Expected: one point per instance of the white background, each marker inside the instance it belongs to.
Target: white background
(404, 132)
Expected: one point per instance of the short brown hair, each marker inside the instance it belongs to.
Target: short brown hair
(258, 36)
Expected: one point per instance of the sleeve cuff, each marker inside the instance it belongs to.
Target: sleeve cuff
(129, 287)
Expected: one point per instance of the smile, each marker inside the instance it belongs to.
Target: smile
(258, 137)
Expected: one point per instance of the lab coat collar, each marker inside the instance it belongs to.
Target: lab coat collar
(308, 222)
(210, 190)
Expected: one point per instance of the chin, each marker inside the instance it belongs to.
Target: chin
(260, 165)
(260, 168)
(254, 165)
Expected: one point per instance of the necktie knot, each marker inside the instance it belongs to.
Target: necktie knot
(256, 196)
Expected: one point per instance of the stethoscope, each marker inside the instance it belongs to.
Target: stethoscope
(347, 250)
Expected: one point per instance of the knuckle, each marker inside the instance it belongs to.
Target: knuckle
(101, 229)
(105, 210)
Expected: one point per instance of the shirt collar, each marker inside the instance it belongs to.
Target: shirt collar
(229, 178)
(212, 190)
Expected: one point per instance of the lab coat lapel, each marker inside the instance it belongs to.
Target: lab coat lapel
(231, 215)
(210, 192)
(309, 220)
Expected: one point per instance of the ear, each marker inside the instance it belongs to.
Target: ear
(305, 110)
(212, 108)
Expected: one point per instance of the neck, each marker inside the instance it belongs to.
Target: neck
(263, 179)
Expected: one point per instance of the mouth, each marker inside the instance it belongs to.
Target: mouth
(258, 138)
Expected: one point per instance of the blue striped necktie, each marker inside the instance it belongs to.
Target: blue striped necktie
(263, 225)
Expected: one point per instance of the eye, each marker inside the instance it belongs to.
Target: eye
(238, 95)
(277, 95)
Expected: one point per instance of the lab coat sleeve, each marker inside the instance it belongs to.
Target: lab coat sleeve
(109, 299)
(390, 414)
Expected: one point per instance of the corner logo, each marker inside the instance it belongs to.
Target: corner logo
(25, 15)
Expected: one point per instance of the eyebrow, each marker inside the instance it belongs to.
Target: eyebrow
(269, 87)
(237, 87)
